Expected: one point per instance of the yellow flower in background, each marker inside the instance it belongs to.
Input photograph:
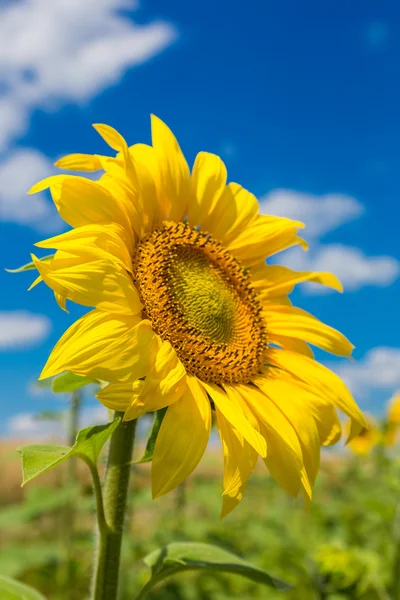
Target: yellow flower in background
(392, 425)
(188, 315)
(367, 439)
(384, 433)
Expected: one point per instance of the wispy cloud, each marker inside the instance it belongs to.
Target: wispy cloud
(321, 215)
(21, 329)
(54, 52)
(18, 173)
(379, 369)
(28, 425)
(351, 265)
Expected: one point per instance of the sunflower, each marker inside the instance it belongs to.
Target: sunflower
(392, 423)
(367, 439)
(188, 315)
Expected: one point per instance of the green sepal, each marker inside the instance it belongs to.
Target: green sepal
(189, 556)
(39, 458)
(69, 382)
(29, 266)
(151, 442)
(10, 589)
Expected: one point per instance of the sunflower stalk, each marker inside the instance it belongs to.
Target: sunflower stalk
(111, 507)
(68, 517)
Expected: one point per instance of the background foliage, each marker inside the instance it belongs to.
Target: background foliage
(346, 546)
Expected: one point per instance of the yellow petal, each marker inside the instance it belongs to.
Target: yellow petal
(120, 396)
(297, 323)
(106, 238)
(264, 237)
(280, 281)
(133, 177)
(54, 181)
(239, 462)
(173, 178)
(285, 456)
(208, 180)
(292, 401)
(315, 403)
(236, 417)
(83, 202)
(235, 210)
(103, 346)
(283, 300)
(293, 344)
(110, 136)
(34, 283)
(328, 423)
(116, 182)
(164, 384)
(182, 439)
(91, 281)
(147, 200)
(79, 162)
(61, 301)
(322, 380)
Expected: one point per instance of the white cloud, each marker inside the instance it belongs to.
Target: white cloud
(27, 425)
(22, 329)
(18, 173)
(63, 51)
(321, 214)
(353, 268)
(379, 369)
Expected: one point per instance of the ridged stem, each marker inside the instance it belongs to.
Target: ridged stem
(111, 520)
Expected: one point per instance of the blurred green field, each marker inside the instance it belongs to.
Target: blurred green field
(346, 546)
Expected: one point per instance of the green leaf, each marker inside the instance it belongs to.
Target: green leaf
(151, 442)
(90, 441)
(69, 382)
(37, 459)
(189, 556)
(15, 590)
(29, 266)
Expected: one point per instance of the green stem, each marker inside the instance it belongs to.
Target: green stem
(98, 493)
(68, 515)
(74, 417)
(111, 524)
(180, 507)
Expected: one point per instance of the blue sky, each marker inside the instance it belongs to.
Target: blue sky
(301, 101)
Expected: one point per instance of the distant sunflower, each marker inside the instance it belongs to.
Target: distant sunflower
(392, 424)
(188, 315)
(368, 438)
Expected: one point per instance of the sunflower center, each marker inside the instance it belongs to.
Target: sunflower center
(200, 299)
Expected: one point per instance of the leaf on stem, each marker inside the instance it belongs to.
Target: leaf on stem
(10, 589)
(29, 266)
(151, 442)
(189, 556)
(69, 382)
(39, 458)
